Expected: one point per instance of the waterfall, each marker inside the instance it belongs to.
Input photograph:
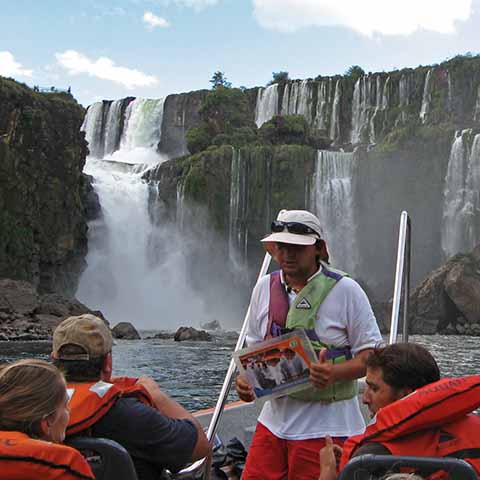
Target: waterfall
(297, 100)
(113, 127)
(427, 97)
(404, 90)
(461, 208)
(335, 120)
(137, 270)
(333, 204)
(267, 104)
(476, 112)
(323, 102)
(93, 126)
(143, 124)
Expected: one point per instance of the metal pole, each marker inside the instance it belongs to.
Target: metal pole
(397, 291)
(406, 280)
(222, 399)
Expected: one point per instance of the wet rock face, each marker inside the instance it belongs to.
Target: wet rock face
(126, 331)
(181, 112)
(448, 300)
(43, 230)
(191, 334)
(27, 315)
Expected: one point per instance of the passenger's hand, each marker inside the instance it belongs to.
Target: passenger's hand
(329, 456)
(321, 372)
(149, 384)
(244, 390)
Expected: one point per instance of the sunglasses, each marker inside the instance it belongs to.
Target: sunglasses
(292, 227)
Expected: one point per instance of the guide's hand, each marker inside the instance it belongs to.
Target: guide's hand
(149, 384)
(321, 372)
(244, 390)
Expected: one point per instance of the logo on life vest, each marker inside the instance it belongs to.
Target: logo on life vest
(303, 304)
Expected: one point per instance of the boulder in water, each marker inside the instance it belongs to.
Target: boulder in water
(126, 331)
(213, 325)
(190, 333)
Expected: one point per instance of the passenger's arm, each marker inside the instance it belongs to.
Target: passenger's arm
(170, 408)
(323, 373)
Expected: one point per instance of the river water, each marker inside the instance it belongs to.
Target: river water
(193, 372)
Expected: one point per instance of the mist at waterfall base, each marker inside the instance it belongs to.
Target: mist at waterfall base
(139, 271)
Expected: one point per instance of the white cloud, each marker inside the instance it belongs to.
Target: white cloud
(367, 17)
(153, 21)
(76, 63)
(10, 68)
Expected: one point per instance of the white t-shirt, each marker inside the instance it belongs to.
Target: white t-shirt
(344, 318)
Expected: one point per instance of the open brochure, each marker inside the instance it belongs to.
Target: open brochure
(277, 366)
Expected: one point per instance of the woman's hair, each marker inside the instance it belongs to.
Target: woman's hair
(30, 390)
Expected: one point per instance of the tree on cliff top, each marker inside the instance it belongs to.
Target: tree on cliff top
(219, 80)
(279, 77)
(355, 72)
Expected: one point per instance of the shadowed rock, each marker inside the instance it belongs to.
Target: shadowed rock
(126, 331)
(190, 333)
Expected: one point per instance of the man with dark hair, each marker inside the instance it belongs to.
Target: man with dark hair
(414, 412)
(156, 431)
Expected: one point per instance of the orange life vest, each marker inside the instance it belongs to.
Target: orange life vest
(23, 458)
(430, 422)
(90, 401)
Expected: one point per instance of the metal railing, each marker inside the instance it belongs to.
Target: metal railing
(402, 279)
(204, 463)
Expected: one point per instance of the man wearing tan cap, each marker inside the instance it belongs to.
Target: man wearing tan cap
(306, 293)
(156, 431)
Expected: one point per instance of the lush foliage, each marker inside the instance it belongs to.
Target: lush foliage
(355, 72)
(279, 77)
(219, 80)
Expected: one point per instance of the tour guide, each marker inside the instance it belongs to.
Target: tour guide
(337, 316)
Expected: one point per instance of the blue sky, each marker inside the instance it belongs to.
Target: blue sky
(115, 48)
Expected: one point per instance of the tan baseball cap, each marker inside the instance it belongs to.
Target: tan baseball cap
(85, 331)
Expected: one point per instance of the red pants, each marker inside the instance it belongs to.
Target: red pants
(271, 458)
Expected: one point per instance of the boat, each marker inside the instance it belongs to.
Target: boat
(237, 420)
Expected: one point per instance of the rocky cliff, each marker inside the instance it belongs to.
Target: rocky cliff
(43, 193)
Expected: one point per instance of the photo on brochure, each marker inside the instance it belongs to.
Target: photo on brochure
(277, 366)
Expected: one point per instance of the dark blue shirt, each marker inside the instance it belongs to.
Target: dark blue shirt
(153, 440)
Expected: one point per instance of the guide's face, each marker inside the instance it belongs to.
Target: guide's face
(297, 260)
(377, 393)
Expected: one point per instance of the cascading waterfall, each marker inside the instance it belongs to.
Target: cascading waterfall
(323, 104)
(461, 208)
(136, 269)
(267, 104)
(113, 127)
(93, 127)
(476, 112)
(237, 233)
(297, 99)
(335, 120)
(332, 201)
(427, 97)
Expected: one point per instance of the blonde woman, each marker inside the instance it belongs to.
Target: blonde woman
(33, 417)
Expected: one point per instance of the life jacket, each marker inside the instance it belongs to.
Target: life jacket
(302, 314)
(23, 458)
(90, 401)
(433, 421)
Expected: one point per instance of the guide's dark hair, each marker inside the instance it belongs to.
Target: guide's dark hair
(79, 370)
(404, 365)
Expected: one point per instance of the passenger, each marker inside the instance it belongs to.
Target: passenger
(431, 421)
(335, 311)
(156, 431)
(33, 418)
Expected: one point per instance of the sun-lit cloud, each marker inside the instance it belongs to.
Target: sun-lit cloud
(11, 68)
(104, 68)
(364, 16)
(154, 21)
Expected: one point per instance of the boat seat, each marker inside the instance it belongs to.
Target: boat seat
(365, 467)
(107, 459)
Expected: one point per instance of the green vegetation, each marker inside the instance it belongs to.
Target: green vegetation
(355, 72)
(279, 77)
(219, 80)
